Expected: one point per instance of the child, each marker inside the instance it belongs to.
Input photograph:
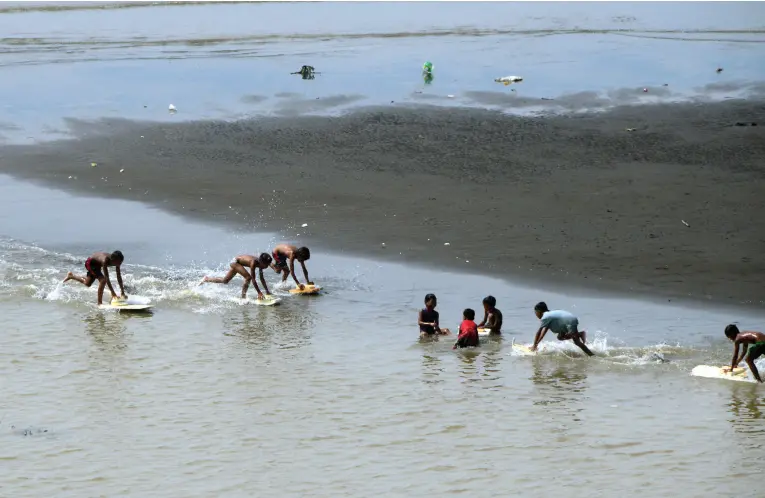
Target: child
(492, 318)
(468, 331)
(239, 265)
(93, 266)
(284, 262)
(428, 319)
(562, 323)
(746, 337)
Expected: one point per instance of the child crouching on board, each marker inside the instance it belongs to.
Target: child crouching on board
(745, 338)
(468, 331)
(428, 319)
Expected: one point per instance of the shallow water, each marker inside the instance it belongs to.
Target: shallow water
(233, 61)
(334, 395)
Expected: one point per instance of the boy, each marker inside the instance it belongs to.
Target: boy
(428, 319)
(284, 253)
(468, 331)
(746, 337)
(492, 317)
(562, 323)
(93, 271)
(239, 265)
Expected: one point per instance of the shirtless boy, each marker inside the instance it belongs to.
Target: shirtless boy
(97, 268)
(239, 265)
(562, 323)
(284, 262)
(747, 338)
(492, 317)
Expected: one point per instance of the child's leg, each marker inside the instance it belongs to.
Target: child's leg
(87, 280)
(581, 345)
(225, 280)
(101, 287)
(753, 355)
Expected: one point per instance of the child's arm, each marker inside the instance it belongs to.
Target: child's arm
(435, 324)
(109, 281)
(262, 281)
(292, 271)
(119, 281)
(305, 273)
(491, 322)
(483, 322)
(420, 322)
(254, 281)
(736, 358)
(539, 336)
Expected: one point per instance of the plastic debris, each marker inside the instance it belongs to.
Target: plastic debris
(122, 170)
(645, 90)
(447, 244)
(171, 108)
(686, 224)
(719, 70)
(383, 244)
(304, 225)
(450, 96)
(93, 165)
(506, 80)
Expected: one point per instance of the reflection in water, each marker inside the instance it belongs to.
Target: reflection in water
(107, 330)
(266, 327)
(431, 369)
(746, 408)
(749, 423)
(559, 385)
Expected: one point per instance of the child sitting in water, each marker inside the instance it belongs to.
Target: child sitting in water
(492, 318)
(468, 331)
(428, 319)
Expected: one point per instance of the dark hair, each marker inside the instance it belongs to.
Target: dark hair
(117, 255)
(731, 331)
(469, 314)
(541, 306)
(303, 254)
(428, 297)
(265, 258)
(490, 300)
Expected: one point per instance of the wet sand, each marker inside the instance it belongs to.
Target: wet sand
(568, 199)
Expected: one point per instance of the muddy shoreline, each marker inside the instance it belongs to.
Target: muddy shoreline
(660, 200)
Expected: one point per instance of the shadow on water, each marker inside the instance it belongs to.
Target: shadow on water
(277, 327)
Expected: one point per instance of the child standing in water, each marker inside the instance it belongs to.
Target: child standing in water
(428, 319)
(468, 331)
(492, 317)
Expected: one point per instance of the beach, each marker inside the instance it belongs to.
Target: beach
(621, 180)
(668, 209)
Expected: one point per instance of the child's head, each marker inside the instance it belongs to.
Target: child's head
(540, 309)
(264, 259)
(116, 257)
(468, 314)
(303, 254)
(489, 302)
(430, 301)
(731, 331)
